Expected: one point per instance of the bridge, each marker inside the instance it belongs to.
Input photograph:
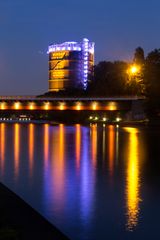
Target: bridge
(70, 108)
(67, 103)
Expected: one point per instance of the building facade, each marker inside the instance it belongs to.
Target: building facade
(70, 65)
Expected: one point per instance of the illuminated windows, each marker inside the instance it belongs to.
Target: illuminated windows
(70, 63)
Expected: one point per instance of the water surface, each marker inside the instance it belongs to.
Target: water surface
(92, 182)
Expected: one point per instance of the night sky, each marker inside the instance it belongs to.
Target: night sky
(27, 27)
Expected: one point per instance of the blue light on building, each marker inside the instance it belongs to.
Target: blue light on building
(70, 65)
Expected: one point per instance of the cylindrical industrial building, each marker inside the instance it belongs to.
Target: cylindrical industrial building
(70, 65)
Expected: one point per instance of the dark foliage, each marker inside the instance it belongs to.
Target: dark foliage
(152, 81)
(139, 56)
(109, 79)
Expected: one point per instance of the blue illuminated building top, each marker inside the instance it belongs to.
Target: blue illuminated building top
(71, 46)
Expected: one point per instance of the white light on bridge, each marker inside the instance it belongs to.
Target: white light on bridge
(104, 119)
(118, 119)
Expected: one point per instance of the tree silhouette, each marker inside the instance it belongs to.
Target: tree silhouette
(139, 56)
(152, 81)
(109, 79)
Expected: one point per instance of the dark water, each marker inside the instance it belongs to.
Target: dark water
(97, 182)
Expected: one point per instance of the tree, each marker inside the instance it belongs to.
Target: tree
(135, 84)
(139, 56)
(152, 81)
(109, 79)
(152, 73)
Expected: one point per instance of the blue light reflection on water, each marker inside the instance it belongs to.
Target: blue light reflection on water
(76, 189)
(85, 180)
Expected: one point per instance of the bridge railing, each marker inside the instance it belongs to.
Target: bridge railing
(32, 97)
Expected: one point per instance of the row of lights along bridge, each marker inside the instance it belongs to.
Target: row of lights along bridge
(59, 106)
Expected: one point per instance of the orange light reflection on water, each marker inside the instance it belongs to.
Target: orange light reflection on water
(46, 144)
(111, 147)
(94, 144)
(2, 145)
(78, 145)
(31, 148)
(104, 142)
(58, 167)
(16, 148)
(61, 149)
(133, 180)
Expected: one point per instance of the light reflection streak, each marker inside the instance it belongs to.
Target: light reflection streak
(54, 170)
(133, 180)
(78, 145)
(31, 148)
(59, 166)
(94, 143)
(111, 147)
(104, 141)
(46, 144)
(16, 148)
(2, 145)
(87, 175)
(117, 143)
(61, 154)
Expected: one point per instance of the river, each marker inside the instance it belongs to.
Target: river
(92, 182)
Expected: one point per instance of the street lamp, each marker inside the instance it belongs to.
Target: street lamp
(135, 79)
(134, 69)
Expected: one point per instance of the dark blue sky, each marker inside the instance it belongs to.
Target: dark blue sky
(27, 27)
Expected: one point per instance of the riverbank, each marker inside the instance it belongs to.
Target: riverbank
(18, 221)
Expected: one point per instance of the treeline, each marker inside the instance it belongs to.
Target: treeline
(117, 78)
